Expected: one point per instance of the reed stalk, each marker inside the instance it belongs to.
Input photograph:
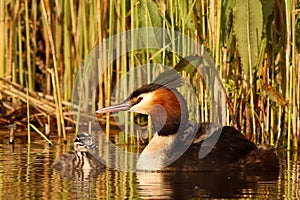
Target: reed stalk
(28, 117)
(99, 26)
(33, 42)
(20, 50)
(124, 62)
(110, 58)
(47, 49)
(218, 35)
(28, 49)
(2, 39)
(67, 80)
(13, 47)
(132, 78)
(293, 76)
(59, 126)
(287, 69)
(41, 134)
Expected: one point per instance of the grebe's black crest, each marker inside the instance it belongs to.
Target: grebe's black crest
(170, 79)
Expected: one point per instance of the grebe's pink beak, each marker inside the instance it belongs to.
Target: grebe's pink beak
(125, 106)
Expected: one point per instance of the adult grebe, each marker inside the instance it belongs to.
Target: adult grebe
(177, 142)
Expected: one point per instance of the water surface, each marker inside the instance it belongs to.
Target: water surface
(26, 173)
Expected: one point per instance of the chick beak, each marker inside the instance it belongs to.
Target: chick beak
(125, 106)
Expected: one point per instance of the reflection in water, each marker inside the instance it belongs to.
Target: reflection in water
(25, 172)
(217, 184)
(175, 185)
(78, 165)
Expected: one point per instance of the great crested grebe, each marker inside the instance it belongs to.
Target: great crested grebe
(177, 142)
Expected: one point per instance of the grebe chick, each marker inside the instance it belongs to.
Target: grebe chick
(176, 138)
(84, 142)
(80, 157)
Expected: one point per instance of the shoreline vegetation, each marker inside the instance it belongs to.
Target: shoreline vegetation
(254, 44)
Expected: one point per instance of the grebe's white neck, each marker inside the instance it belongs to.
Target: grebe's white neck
(158, 153)
(164, 150)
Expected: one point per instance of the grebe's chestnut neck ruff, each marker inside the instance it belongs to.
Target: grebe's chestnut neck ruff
(166, 107)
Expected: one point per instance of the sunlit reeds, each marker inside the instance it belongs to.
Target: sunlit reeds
(3, 51)
(46, 42)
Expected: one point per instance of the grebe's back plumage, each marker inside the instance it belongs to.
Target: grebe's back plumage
(175, 134)
(229, 150)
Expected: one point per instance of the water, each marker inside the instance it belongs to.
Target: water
(26, 173)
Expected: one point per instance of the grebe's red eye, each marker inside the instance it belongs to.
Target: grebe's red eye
(139, 99)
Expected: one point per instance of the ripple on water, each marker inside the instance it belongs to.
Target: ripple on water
(26, 173)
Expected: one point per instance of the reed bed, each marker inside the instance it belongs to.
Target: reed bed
(254, 44)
